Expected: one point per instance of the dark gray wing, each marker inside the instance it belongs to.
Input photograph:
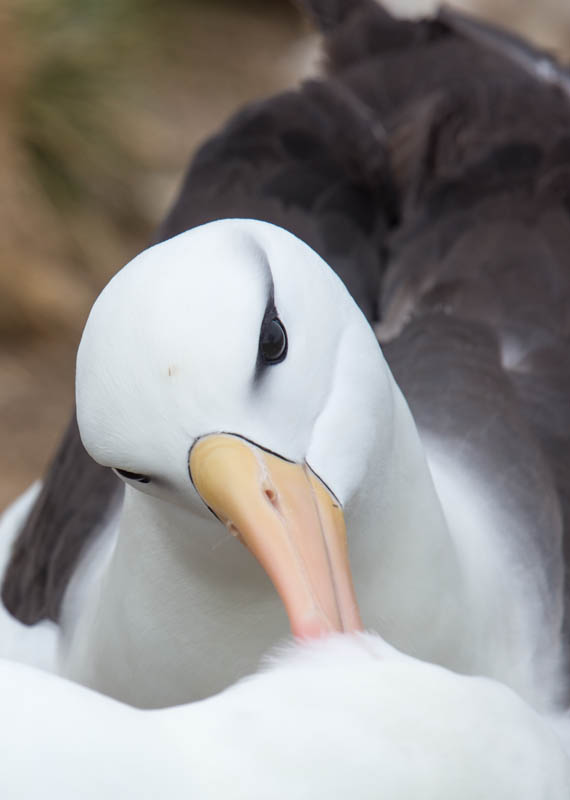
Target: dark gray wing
(72, 503)
(311, 161)
(475, 314)
(478, 125)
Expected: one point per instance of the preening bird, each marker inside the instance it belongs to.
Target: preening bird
(230, 381)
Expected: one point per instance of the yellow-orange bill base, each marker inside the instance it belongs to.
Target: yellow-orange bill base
(290, 522)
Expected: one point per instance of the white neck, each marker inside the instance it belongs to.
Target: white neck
(182, 611)
(432, 556)
(403, 556)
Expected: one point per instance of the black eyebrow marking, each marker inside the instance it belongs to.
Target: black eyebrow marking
(269, 314)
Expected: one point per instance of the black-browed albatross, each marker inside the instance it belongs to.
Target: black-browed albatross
(443, 179)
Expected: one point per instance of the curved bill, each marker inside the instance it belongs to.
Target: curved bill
(290, 521)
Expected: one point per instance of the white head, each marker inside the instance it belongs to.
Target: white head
(173, 352)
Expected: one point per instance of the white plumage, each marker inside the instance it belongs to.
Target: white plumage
(340, 717)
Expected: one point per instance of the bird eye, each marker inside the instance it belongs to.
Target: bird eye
(273, 342)
(133, 476)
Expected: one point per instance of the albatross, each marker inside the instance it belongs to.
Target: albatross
(233, 385)
(244, 400)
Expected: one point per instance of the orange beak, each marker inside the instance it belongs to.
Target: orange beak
(290, 521)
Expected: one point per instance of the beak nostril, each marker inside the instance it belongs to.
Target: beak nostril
(271, 495)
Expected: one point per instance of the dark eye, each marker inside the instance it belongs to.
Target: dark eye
(273, 342)
(133, 476)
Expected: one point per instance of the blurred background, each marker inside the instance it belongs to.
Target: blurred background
(101, 105)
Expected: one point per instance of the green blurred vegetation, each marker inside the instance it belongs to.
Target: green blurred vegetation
(102, 103)
(104, 100)
(78, 89)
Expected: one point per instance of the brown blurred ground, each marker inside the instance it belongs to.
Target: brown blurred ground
(99, 112)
